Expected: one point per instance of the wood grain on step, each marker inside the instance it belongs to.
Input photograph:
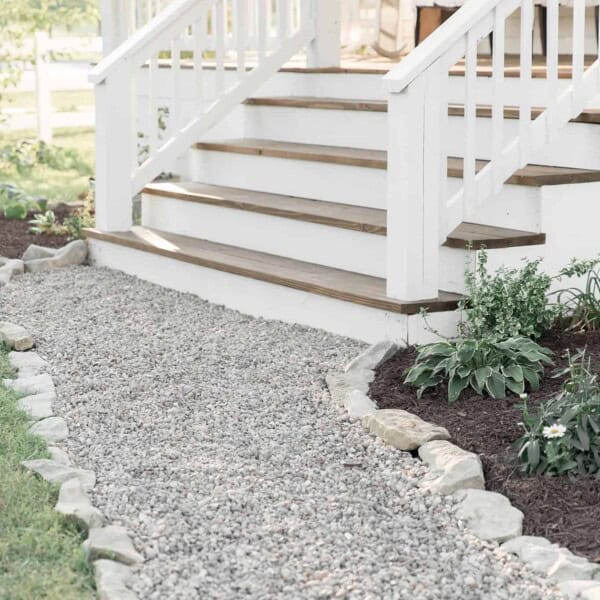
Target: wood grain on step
(316, 279)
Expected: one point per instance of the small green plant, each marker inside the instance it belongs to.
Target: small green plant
(44, 223)
(488, 366)
(16, 211)
(80, 219)
(580, 308)
(563, 435)
(510, 303)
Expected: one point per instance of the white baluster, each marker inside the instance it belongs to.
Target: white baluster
(578, 55)
(199, 33)
(283, 20)
(219, 33)
(578, 39)
(498, 100)
(469, 165)
(139, 14)
(552, 78)
(153, 82)
(241, 31)
(525, 80)
(262, 28)
(175, 115)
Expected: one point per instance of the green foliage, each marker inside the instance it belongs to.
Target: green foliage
(65, 184)
(40, 555)
(581, 307)
(27, 154)
(19, 19)
(15, 203)
(16, 211)
(44, 223)
(488, 366)
(563, 436)
(510, 303)
(80, 219)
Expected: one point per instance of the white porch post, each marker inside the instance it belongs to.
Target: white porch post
(412, 197)
(117, 19)
(115, 148)
(324, 51)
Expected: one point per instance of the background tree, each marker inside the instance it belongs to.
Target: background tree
(20, 19)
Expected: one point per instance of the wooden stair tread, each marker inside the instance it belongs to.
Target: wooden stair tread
(316, 279)
(369, 220)
(590, 115)
(531, 175)
(492, 237)
(512, 68)
(345, 216)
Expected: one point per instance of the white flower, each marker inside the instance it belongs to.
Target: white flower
(554, 431)
(523, 396)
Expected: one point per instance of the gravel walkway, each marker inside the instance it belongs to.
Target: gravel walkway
(217, 446)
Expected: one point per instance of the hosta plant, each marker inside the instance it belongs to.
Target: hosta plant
(44, 223)
(563, 435)
(489, 367)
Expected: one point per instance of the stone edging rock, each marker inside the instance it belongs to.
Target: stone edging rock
(108, 548)
(38, 258)
(452, 470)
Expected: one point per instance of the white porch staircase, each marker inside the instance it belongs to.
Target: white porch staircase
(282, 208)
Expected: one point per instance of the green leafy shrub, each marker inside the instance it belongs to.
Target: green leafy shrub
(563, 436)
(510, 303)
(26, 154)
(581, 307)
(16, 210)
(488, 366)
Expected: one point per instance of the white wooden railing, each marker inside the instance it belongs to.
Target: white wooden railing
(421, 212)
(358, 19)
(139, 136)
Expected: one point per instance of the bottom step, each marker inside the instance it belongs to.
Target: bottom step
(271, 286)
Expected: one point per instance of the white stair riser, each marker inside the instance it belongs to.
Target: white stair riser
(516, 206)
(272, 301)
(577, 146)
(363, 86)
(570, 217)
(309, 242)
(335, 247)
(345, 128)
(345, 184)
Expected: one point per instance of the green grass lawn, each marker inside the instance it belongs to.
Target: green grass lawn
(40, 555)
(62, 100)
(56, 185)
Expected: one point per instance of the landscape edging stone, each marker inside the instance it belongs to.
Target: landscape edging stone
(356, 378)
(111, 575)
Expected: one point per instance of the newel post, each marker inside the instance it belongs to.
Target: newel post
(412, 196)
(115, 148)
(324, 50)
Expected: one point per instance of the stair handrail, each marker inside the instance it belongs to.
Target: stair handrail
(139, 133)
(148, 34)
(422, 207)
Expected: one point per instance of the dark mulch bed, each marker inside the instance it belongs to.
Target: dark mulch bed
(566, 511)
(15, 236)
